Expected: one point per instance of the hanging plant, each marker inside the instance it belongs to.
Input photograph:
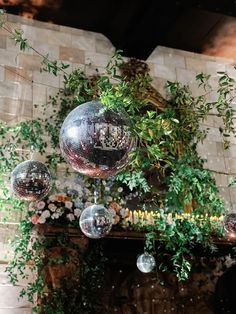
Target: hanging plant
(165, 173)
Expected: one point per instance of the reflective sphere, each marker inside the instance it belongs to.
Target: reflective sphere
(96, 141)
(146, 263)
(230, 224)
(31, 180)
(95, 221)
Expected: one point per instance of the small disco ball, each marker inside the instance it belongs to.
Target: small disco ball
(146, 263)
(95, 221)
(96, 141)
(230, 224)
(31, 180)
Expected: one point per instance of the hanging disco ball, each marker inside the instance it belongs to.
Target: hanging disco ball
(230, 224)
(95, 221)
(146, 263)
(96, 141)
(31, 180)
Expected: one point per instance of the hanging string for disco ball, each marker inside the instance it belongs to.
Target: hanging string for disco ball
(31, 180)
(146, 262)
(96, 141)
(230, 224)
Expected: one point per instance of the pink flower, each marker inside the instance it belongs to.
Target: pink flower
(68, 204)
(40, 205)
(34, 219)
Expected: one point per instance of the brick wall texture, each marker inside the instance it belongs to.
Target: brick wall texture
(91, 51)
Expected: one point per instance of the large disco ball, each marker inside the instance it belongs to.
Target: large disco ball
(96, 141)
(31, 180)
(146, 263)
(230, 224)
(95, 221)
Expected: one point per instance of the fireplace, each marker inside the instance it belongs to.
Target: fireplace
(125, 290)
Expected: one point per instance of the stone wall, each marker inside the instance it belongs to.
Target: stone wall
(90, 51)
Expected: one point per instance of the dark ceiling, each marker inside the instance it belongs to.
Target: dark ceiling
(137, 27)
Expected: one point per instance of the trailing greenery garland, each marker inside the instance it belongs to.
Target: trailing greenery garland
(165, 170)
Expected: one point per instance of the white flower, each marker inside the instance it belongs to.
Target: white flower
(40, 205)
(109, 199)
(41, 220)
(52, 198)
(46, 213)
(71, 217)
(124, 213)
(112, 211)
(68, 204)
(55, 216)
(120, 189)
(77, 212)
(107, 188)
(31, 207)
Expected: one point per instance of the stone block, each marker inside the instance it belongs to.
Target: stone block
(29, 62)
(16, 106)
(216, 164)
(207, 147)
(9, 89)
(96, 59)
(4, 279)
(174, 60)
(231, 71)
(3, 41)
(84, 42)
(2, 73)
(25, 92)
(212, 67)
(231, 165)
(9, 298)
(104, 46)
(156, 57)
(8, 118)
(12, 46)
(46, 48)
(7, 57)
(44, 78)
(222, 180)
(71, 30)
(165, 72)
(25, 310)
(71, 55)
(186, 76)
(231, 151)
(196, 65)
(39, 94)
(16, 74)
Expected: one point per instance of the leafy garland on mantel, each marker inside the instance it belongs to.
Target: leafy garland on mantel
(165, 170)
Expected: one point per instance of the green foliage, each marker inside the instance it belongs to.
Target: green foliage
(164, 170)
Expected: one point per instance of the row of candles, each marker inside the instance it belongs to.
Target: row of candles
(144, 217)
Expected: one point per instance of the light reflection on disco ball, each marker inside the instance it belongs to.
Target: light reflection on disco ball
(96, 141)
(146, 263)
(95, 221)
(31, 180)
(230, 224)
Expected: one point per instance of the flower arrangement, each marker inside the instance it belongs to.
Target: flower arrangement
(78, 193)
(57, 207)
